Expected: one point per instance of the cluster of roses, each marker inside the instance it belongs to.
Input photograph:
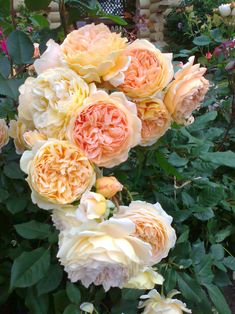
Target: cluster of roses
(70, 122)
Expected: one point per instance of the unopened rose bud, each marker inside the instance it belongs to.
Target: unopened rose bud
(36, 53)
(208, 55)
(225, 9)
(108, 186)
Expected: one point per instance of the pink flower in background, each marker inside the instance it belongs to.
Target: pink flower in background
(3, 46)
(208, 55)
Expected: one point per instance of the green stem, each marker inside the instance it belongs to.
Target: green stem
(62, 11)
(12, 13)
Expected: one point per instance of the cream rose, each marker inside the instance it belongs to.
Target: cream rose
(149, 72)
(58, 173)
(225, 9)
(153, 226)
(108, 186)
(145, 280)
(4, 136)
(103, 254)
(186, 92)
(92, 206)
(51, 58)
(105, 128)
(51, 99)
(155, 119)
(64, 217)
(154, 303)
(17, 129)
(31, 137)
(94, 52)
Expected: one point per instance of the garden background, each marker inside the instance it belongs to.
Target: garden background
(190, 170)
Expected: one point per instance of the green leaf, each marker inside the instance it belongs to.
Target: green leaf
(218, 299)
(60, 301)
(131, 294)
(176, 160)
(16, 204)
(5, 8)
(203, 213)
(3, 195)
(33, 5)
(170, 277)
(20, 47)
(10, 87)
(72, 309)
(33, 230)
(5, 67)
(202, 40)
(229, 262)
(166, 166)
(73, 293)
(36, 304)
(203, 270)
(217, 251)
(202, 121)
(12, 171)
(220, 158)
(51, 280)
(224, 233)
(39, 21)
(29, 268)
(115, 18)
(189, 287)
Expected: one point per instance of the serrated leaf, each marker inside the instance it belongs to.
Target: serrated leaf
(203, 270)
(166, 166)
(29, 268)
(51, 280)
(229, 262)
(218, 299)
(33, 230)
(224, 233)
(73, 293)
(220, 158)
(188, 286)
(20, 47)
(202, 121)
(217, 251)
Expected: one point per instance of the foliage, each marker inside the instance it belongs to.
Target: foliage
(190, 171)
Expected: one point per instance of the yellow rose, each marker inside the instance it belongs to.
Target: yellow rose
(4, 137)
(92, 206)
(51, 99)
(149, 72)
(58, 173)
(17, 129)
(155, 119)
(154, 303)
(94, 52)
(108, 186)
(105, 128)
(153, 226)
(103, 254)
(145, 280)
(186, 92)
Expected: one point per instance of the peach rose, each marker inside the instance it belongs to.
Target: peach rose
(149, 72)
(51, 99)
(58, 173)
(186, 92)
(103, 254)
(106, 128)
(108, 186)
(153, 302)
(31, 137)
(94, 52)
(4, 136)
(153, 226)
(155, 119)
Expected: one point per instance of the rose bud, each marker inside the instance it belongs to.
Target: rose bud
(108, 186)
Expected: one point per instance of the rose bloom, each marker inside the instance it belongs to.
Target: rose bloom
(186, 92)
(17, 129)
(155, 119)
(106, 128)
(58, 173)
(149, 72)
(108, 186)
(87, 307)
(4, 136)
(145, 280)
(92, 206)
(153, 226)
(94, 52)
(225, 9)
(31, 137)
(103, 254)
(51, 58)
(157, 304)
(50, 100)
(65, 218)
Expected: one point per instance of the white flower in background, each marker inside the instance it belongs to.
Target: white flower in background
(104, 254)
(146, 279)
(92, 206)
(225, 9)
(87, 307)
(154, 303)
